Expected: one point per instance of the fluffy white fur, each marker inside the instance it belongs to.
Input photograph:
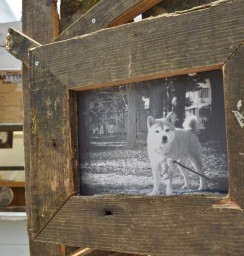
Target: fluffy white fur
(166, 143)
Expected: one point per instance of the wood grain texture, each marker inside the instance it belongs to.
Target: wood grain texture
(169, 6)
(19, 44)
(234, 94)
(184, 225)
(54, 159)
(41, 31)
(153, 48)
(71, 10)
(37, 18)
(106, 13)
(175, 225)
(92, 252)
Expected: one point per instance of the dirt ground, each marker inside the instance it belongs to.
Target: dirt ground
(113, 169)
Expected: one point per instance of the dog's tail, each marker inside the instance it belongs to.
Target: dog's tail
(190, 123)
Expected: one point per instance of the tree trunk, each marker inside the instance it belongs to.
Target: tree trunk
(83, 124)
(156, 98)
(218, 115)
(180, 102)
(131, 120)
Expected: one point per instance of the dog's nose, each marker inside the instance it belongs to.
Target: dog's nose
(164, 139)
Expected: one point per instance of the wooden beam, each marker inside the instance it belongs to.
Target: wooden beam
(131, 13)
(181, 225)
(92, 252)
(71, 10)
(107, 13)
(234, 114)
(148, 49)
(19, 44)
(38, 23)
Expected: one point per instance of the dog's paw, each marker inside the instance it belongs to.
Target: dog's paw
(202, 185)
(153, 193)
(169, 191)
(201, 188)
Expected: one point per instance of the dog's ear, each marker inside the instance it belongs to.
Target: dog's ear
(171, 118)
(150, 121)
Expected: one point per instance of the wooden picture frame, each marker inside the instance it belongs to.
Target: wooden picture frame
(199, 40)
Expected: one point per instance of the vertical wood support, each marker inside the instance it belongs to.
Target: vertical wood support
(234, 90)
(40, 23)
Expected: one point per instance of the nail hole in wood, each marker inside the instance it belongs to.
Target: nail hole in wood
(54, 143)
(108, 213)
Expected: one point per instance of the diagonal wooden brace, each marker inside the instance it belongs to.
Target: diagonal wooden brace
(18, 44)
(105, 14)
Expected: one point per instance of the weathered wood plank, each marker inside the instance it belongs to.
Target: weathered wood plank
(53, 150)
(19, 44)
(137, 224)
(40, 30)
(92, 252)
(175, 225)
(106, 13)
(172, 6)
(131, 13)
(234, 94)
(148, 49)
(37, 18)
(71, 10)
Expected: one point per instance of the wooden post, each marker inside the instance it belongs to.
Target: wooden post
(39, 221)
(38, 23)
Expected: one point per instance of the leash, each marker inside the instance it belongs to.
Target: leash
(189, 169)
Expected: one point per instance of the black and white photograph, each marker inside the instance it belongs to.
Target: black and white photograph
(157, 137)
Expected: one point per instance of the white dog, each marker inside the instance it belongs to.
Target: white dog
(166, 143)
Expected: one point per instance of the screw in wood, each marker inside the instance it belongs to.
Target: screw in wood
(93, 21)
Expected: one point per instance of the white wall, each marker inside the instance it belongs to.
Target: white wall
(13, 234)
(7, 61)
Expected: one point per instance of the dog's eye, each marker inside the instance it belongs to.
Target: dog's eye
(157, 131)
(167, 130)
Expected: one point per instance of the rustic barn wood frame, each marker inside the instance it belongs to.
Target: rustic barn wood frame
(153, 48)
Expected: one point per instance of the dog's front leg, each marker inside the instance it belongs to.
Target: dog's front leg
(167, 178)
(169, 168)
(184, 173)
(156, 178)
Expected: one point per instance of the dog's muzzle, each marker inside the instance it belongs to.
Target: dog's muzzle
(164, 139)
